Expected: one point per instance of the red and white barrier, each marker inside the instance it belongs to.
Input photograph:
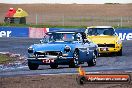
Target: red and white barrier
(37, 32)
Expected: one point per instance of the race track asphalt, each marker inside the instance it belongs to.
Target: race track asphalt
(104, 63)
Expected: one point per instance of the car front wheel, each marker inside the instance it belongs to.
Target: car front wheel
(33, 66)
(75, 61)
(92, 62)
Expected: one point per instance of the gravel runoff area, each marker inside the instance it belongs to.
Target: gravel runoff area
(53, 81)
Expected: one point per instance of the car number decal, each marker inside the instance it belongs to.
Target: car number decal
(48, 60)
(104, 49)
(87, 50)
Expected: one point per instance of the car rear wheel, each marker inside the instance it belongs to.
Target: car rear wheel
(54, 66)
(119, 53)
(92, 62)
(33, 66)
(75, 61)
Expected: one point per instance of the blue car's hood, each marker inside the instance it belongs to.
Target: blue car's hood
(51, 47)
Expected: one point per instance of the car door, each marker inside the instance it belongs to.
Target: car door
(83, 51)
(90, 49)
(83, 48)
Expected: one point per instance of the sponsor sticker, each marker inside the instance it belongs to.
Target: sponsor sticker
(104, 49)
(83, 78)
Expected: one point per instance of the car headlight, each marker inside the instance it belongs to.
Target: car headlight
(30, 50)
(119, 41)
(67, 49)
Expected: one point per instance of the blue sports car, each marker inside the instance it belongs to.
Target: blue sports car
(63, 47)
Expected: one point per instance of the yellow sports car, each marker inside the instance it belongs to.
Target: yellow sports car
(106, 39)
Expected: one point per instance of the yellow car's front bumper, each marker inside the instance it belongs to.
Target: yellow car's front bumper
(109, 49)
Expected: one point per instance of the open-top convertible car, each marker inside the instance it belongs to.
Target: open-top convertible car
(106, 38)
(62, 47)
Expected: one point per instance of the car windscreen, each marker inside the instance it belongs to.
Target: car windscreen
(60, 37)
(101, 31)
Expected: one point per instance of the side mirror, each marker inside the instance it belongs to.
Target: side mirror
(86, 41)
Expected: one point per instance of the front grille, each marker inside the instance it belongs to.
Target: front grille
(42, 54)
(106, 45)
(55, 53)
(39, 54)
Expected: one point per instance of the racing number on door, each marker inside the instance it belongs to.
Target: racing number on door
(87, 50)
(86, 45)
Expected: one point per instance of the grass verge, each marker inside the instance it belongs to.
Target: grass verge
(52, 26)
(5, 59)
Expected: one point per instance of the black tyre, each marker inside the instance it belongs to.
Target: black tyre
(92, 62)
(54, 66)
(119, 53)
(33, 66)
(75, 61)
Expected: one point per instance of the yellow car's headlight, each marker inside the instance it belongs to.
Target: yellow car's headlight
(119, 41)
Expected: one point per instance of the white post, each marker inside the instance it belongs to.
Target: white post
(121, 21)
(36, 19)
(43, 19)
(63, 20)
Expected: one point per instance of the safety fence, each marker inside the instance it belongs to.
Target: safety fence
(29, 32)
(64, 20)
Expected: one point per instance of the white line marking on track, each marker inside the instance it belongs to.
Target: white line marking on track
(23, 67)
(70, 73)
(74, 73)
(129, 71)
